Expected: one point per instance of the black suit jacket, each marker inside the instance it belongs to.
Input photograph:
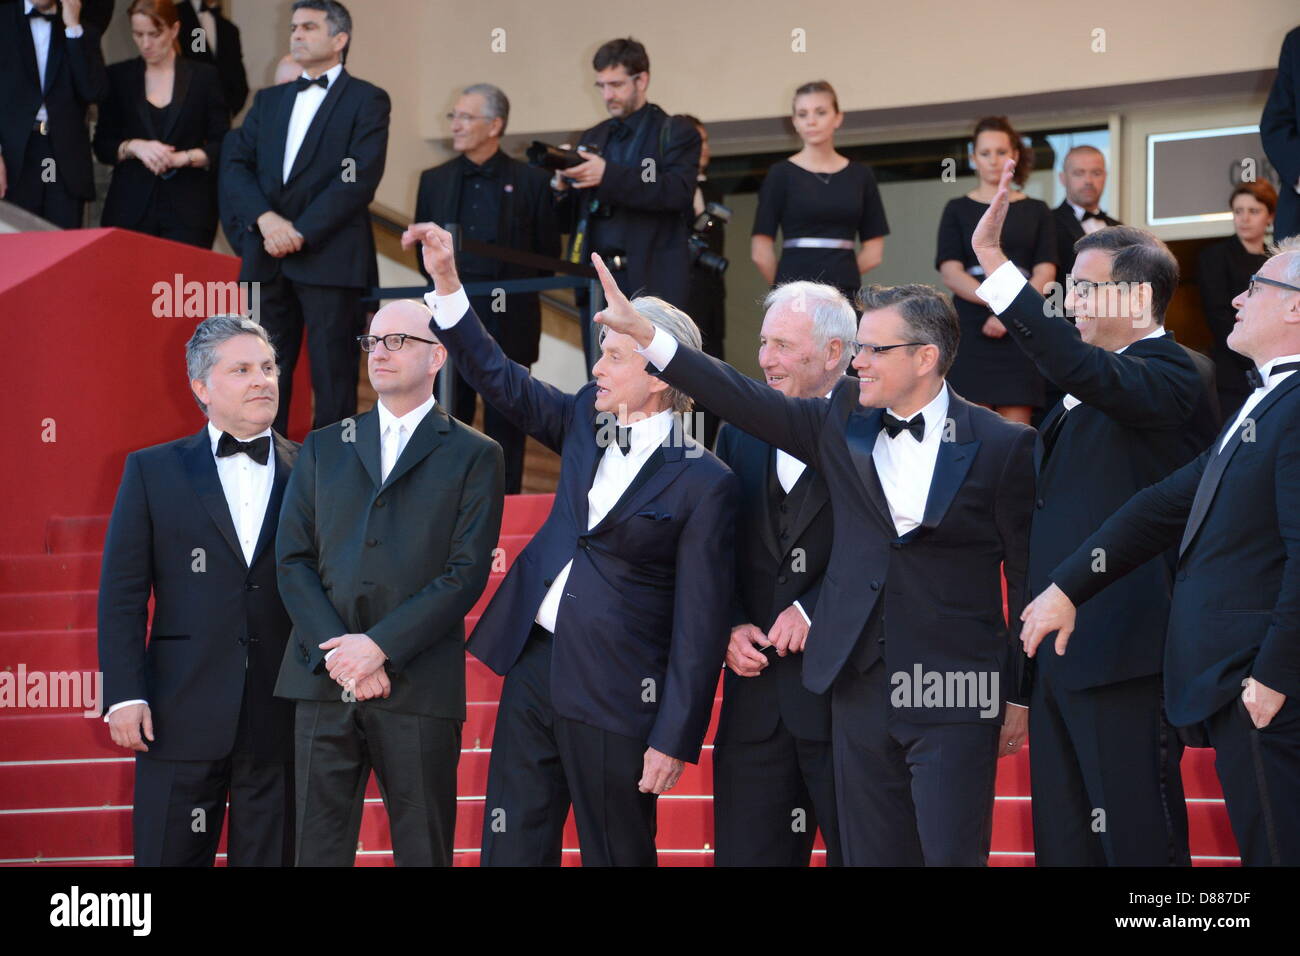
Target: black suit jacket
(330, 186)
(771, 574)
(643, 625)
(942, 607)
(228, 60)
(1234, 517)
(1145, 413)
(196, 118)
(74, 78)
(526, 222)
(649, 220)
(1279, 130)
(1069, 230)
(218, 623)
(402, 560)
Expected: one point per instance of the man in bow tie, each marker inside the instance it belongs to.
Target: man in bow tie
(194, 528)
(296, 183)
(1083, 175)
(931, 497)
(206, 35)
(1232, 649)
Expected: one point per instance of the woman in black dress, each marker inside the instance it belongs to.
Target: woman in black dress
(990, 368)
(820, 202)
(1223, 272)
(161, 129)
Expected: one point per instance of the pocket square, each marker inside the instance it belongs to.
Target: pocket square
(655, 515)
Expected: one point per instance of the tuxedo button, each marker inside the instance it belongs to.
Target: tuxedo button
(875, 585)
(880, 641)
(380, 502)
(781, 579)
(250, 586)
(549, 581)
(371, 542)
(1039, 504)
(1181, 576)
(243, 642)
(896, 545)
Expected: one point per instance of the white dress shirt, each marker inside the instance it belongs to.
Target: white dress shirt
(305, 105)
(906, 466)
(1089, 225)
(40, 28)
(209, 24)
(1258, 394)
(395, 432)
(247, 487)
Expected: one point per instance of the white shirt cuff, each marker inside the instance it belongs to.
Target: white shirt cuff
(73, 33)
(447, 309)
(806, 619)
(1000, 289)
(661, 349)
(119, 706)
(1014, 704)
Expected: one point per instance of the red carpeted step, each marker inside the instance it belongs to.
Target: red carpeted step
(1208, 829)
(54, 736)
(76, 534)
(49, 611)
(49, 650)
(49, 572)
(1013, 774)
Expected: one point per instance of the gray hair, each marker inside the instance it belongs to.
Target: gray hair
(928, 314)
(495, 101)
(201, 349)
(676, 323)
(832, 314)
(337, 19)
(1288, 246)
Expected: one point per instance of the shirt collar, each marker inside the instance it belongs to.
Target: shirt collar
(649, 432)
(1158, 332)
(214, 436)
(332, 74)
(936, 412)
(411, 419)
(1079, 211)
(1268, 367)
(490, 167)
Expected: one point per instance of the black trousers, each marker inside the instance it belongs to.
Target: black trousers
(496, 426)
(769, 798)
(541, 762)
(414, 757)
(332, 317)
(165, 221)
(909, 794)
(1259, 771)
(48, 199)
(1104, 768)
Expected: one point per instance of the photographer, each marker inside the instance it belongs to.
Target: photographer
(635, 186)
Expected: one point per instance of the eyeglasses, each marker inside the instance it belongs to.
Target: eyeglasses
(1083, 288)
(464, 117)
(393, 341)
(1260, 280)
(615, 84)
(857, 348)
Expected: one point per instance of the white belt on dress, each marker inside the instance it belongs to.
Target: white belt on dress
(811, 242)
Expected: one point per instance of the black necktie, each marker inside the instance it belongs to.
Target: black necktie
(1256, 380)
(894, 426)
(47, 17)
(302, 83)
(259, 449)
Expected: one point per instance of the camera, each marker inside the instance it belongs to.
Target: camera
(553, 158)
(701, 255)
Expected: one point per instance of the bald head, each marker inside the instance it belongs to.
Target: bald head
(403, 377)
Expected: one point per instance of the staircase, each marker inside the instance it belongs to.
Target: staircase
(65, 789)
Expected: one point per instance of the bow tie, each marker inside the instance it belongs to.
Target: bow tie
(894, 426)
(259, 449)
(302, 83)
(622, 437)
(1256, 380)
(1093, 215)
(47, 17)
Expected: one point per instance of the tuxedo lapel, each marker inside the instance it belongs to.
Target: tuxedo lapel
(141, 100)
(28, 45)
(317, 127)
(661, 469)
(427, 436)
(1045, 431)
(182, 74)
(280, 129)
(201, 469)
(367, 445)
(953, 463)
(816, 498)
(763, 461)
(860, 433)
(285, 455)
(55, 58)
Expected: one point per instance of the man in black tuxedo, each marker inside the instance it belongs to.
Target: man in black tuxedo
(194, 528)
(498, 200)
(931, 497)
(634, 189)
(300, 175)
(611, 626)
(208, 36)
(773, 776)
(386, 541)
(1279, 130)
(1083, 175)
(51, 70)
(1105, 770)
(1232, 653)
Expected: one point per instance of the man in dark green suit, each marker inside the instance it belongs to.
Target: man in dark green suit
(385, 543)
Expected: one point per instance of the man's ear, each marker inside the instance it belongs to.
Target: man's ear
(200, 389)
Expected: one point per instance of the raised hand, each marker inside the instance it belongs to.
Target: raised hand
(618, 314)
(438, 252)
(986, 240)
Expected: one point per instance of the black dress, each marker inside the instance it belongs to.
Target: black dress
(1222, 274)
(994, 371)
(843, 205)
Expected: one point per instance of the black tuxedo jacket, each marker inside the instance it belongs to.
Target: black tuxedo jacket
(649, 220)
(771, 574)
(526, 222)
(942, 607)
(401, 560)
(218, 623)
(1145, 413)
(1069, 230)
(74, 78)
(329, 190)
(196, 118)
(1279, 130)
(228, 60)
(643, 625)
(1234, 517)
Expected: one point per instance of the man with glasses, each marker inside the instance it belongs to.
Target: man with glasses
(385, 543)
(931, 497)
(635, 189)
(498, 200)
(1137, 406)
(1232, 652)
